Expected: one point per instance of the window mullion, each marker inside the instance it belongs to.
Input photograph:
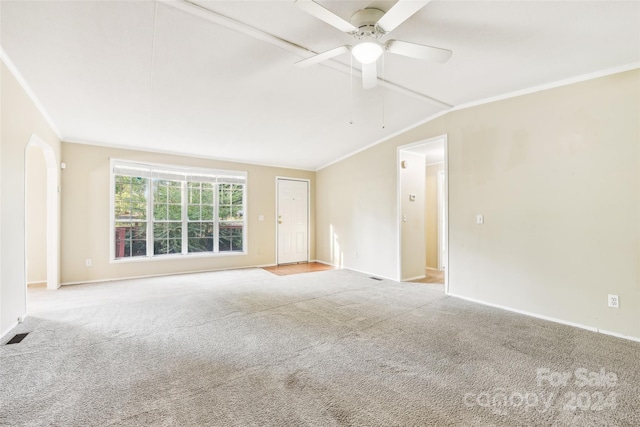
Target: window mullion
(216, 218)
(185, 220)
(150, 236)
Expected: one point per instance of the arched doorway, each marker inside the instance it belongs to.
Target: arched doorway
(50, 177)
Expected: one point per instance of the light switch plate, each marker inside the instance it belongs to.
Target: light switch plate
(480, 219)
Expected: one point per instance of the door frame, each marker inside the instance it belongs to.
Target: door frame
(52, 215)
(308, 181)
(399, 204)
(442, 222)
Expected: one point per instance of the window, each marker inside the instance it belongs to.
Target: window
(163, 210)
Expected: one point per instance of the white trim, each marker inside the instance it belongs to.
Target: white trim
(548, 318)
(547, 86)
(533, 89)
(308, 181)
(435, 163)
(9, 329)
(30, 93)
(52, 216)
(617, 335)
(180, 154)
(36, 282)
(384, 139)
(406, 147)
(443, 220)
(174, 257)
(368, 273)
(410, 279)
(149, 276)
(325, 263)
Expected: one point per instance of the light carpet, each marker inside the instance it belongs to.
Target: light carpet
(333, 348)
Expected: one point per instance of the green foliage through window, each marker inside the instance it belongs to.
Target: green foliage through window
(185, 215)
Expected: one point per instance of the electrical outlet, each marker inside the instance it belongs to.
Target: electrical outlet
(613, 301)
(87, 262)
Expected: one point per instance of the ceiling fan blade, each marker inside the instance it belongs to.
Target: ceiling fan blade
(418, 51)
(369, 75)
(313, 8)
(323, 56)
(399, 13)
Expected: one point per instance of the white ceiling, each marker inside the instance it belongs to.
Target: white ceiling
(168, 76)
(433, 152)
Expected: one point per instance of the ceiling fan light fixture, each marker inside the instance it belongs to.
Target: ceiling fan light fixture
(367, 52)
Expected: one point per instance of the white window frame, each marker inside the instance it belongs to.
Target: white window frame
(238, 175)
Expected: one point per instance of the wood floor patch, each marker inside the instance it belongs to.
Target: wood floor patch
(305, 267)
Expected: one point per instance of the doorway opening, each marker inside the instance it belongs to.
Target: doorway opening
(41, 215)
(423, 212)
(292, 216)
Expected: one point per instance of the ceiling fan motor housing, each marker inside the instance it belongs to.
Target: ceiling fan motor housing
(365, 20)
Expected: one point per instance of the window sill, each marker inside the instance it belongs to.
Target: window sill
(195, 255)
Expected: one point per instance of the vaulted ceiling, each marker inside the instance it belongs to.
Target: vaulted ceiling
(217, 78)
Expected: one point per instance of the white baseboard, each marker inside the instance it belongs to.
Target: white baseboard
(413, 278)
(369, 273)
(163, 275)
(356, 270)
(323, 262)
(548, 318)
(5, 332)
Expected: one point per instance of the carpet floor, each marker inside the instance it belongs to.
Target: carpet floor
(332, 348)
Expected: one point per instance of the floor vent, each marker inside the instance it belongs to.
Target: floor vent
(376, 278)
(17, 338)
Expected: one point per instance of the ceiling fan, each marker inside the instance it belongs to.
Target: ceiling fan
(368, 26)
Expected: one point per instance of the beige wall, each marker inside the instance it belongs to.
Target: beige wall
(556, 174)
(20, 120)
(431, 214)
(412, 181)
(36, 223)
(86, 227)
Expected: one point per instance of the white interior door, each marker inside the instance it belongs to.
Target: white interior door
(293, 221)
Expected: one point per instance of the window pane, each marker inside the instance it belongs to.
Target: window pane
(224, 213)
(175, 193)
(167, 238)
(224, 194)
(201, 237)
(130, 239)
(193, 212)
(175, 212)
(207, 213)
(130, 198)
(236, 212)
(160, 212)
(207, 195)
(194, 193)
(167, 195)
(231, 236)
